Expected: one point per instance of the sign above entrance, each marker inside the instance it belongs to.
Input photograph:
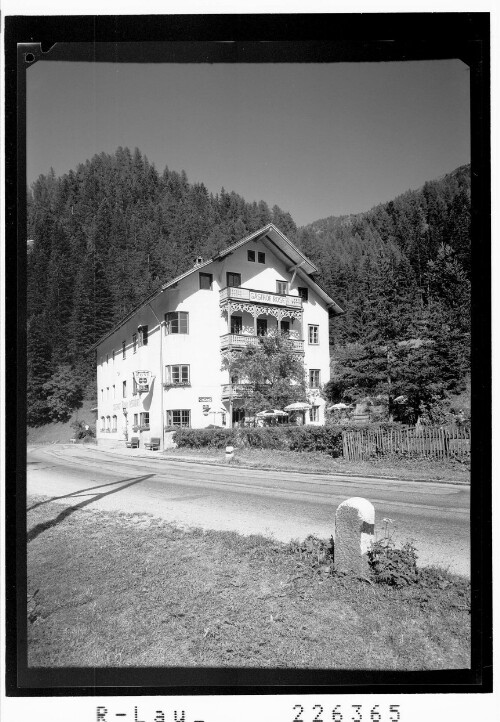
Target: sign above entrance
(203, 399)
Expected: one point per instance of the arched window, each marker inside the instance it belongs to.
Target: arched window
(115, 419)
(103, 423)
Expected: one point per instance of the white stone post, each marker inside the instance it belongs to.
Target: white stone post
(354, 534)
(229, 453)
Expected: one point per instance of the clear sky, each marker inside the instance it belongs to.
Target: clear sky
(315, 139)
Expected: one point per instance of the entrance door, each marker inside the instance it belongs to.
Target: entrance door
(261, 327)
(238, 417)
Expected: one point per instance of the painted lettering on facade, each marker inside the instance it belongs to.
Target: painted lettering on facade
(274, 299)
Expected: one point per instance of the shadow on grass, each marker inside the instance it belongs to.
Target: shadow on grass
(40, 528)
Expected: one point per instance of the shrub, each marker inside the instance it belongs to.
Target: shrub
(199, 438)
(294, 438)
(80, 432)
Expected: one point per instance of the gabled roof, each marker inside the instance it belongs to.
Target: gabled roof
(276, 241)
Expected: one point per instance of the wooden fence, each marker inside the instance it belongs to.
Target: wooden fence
(426, 441)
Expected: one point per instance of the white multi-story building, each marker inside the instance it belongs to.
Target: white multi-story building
(161, 365)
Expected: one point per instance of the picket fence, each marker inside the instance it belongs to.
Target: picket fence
(424, 441)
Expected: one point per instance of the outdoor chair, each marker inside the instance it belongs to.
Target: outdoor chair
(153, 444)
(133, 443)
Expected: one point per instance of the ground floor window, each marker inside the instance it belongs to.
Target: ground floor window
(179, 417)
(314, 413)
(108, 423)
(145, 418)
(103, 423)
(114, 422)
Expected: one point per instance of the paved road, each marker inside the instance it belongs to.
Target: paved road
(286, 505)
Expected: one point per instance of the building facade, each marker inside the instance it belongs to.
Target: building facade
(160, 367)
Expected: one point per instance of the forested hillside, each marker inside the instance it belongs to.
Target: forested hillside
(107, 234)
(401, 271)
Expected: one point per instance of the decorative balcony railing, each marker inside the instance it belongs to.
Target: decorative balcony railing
(254, 296)
(240, 340)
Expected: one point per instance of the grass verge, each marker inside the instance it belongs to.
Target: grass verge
(316, 462)
(109, 589)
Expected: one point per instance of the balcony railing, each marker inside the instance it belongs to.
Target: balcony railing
(254, 296)
(234, 390)
(241, 340)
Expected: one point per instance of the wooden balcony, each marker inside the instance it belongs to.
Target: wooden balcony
(233, 293)
(240, 340)
(234, 391)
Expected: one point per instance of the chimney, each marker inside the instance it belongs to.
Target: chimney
(198, 261)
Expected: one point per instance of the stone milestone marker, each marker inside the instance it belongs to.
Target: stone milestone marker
(354, 534)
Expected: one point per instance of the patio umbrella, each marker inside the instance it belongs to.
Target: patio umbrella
(265, 414)
(277, 412)
(298, 406)
(338, 406)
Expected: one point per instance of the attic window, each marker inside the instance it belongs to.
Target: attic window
(261, 257)
(251, 256)
(303, 293)
(143, 335)
(206, 281)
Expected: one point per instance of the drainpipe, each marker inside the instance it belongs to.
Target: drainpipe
(161, 380)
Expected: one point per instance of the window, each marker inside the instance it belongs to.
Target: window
(261, 257)
(108, 423)
(134, 342)
(143, 335)
(179, 417)
(107, 359)
(177, 322)
(107, 393)
(285, 327)
(206, 281)
(282, 287)
(103, 423)
(136, 419)
(233, 279)
(251, 256)
(303, 293)
(314, 378)
(113, 357)
(102, 394)
(314, 335)
(114, 391)
(261, 327)
(236, 324)
(178, 375)
(115, 421)
(123, 349)
(134, 386)
(144, 418)
(124, 393)
(314, 413)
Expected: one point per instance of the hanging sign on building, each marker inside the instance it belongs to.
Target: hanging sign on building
(202, 399)
(142, 380)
